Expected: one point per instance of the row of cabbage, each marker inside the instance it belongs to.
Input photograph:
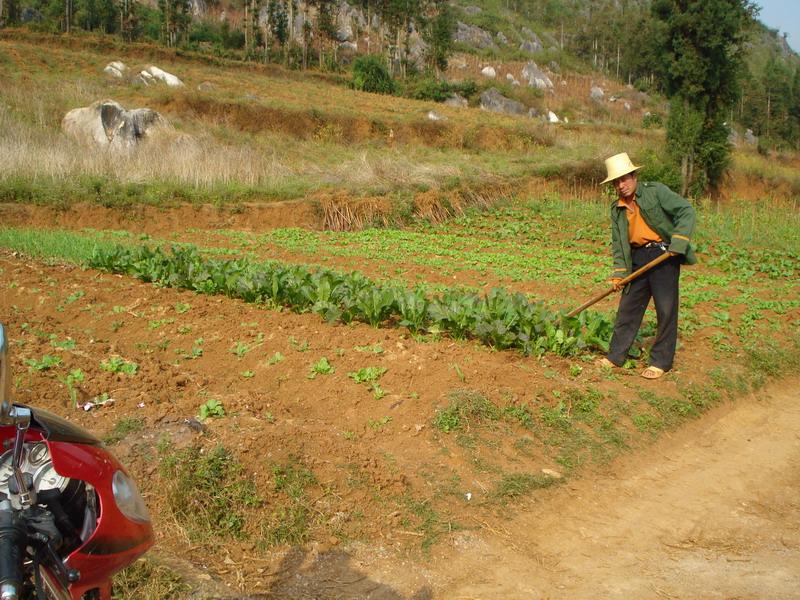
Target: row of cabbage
(499, 318)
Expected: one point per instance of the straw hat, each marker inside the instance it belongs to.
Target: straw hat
(619, 165)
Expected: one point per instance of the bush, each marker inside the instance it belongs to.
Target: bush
(430, 88)
(370, 74)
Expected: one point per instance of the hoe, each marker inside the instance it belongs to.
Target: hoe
(622, 283)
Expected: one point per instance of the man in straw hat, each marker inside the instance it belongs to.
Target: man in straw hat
(647, 220)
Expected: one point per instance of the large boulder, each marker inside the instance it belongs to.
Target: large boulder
(596, 93)
(530, 41)
(457, 100)
(116, 69)
(474, 36)
(493, 101)
(489, 72)
(536, 77)
(107, 124)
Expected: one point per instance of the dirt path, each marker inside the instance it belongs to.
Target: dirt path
(710, 512)
(713, 512)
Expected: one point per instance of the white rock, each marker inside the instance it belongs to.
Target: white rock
(434, 116)
(551, 473)
(116, 69)
(552, 117)
(489, 72)
(168, 78)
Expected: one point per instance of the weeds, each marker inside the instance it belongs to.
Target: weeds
(467, 408)
(208, 492)
(290, 523)
(124, 426)
(144, 579)
(513, 486)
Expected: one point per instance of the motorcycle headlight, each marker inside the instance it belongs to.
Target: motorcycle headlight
(128, 498)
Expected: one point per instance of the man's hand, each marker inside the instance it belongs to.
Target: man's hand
(615, 282)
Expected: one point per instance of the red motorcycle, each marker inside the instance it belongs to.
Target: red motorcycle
(70, 516)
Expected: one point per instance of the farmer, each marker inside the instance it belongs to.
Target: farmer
(647, 219)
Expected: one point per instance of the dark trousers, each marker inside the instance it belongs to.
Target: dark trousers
(660, 283)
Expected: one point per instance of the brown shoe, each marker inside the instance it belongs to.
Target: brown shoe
(652, 372)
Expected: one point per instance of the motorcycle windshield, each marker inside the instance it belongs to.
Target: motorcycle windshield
(60, 430)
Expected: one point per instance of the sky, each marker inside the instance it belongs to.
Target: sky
(783, 15)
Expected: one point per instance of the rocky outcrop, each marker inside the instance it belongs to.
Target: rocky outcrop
(456, 100)
(536, 77)
(107, 124)
(474, 36)
(530, 41)
(493, 101)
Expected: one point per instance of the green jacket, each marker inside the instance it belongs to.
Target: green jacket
(665, 212)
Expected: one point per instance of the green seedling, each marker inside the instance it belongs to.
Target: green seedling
(68, 344)
(211, 408)
(367, 374)
(45, 363)
(299, 346)
(380, 423)
(182, 307)
(321, 367)
(117, 364)
(74, 377)
(158, 323)
(276, 358)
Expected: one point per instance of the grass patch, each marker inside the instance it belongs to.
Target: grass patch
(467, 409)
(124, 426)
(144, 579)
(290, 523)
(513, 486)
(208, 492)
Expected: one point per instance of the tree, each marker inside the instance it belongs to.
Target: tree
(702, 57)
(440, 37)
(175, 19)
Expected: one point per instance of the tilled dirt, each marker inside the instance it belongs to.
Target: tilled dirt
(710, 511)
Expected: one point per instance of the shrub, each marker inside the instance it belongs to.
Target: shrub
(370, 74)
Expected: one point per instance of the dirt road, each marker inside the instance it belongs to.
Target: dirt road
(712, 511)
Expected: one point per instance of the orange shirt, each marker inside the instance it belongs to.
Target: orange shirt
(639, 232)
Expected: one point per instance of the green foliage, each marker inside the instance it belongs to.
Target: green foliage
(367, 374)
(321, 367)
(207, 492)
(74, 377)
(290, 523)
(428, 87)
(370, 74)
(117, 364)
(700, 60)
(45, 363)
(211, 408)
(513, 486)
(500, 319)
(467, 409)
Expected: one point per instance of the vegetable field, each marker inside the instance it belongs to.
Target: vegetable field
(274, 388)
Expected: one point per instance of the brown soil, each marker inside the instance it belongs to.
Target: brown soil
(714, 500)
(709, 512)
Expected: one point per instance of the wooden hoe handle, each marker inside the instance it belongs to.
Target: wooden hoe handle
(624, 282)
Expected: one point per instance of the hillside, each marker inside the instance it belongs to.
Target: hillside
(301, 422)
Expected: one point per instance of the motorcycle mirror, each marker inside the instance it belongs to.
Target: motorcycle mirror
(5, 380)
